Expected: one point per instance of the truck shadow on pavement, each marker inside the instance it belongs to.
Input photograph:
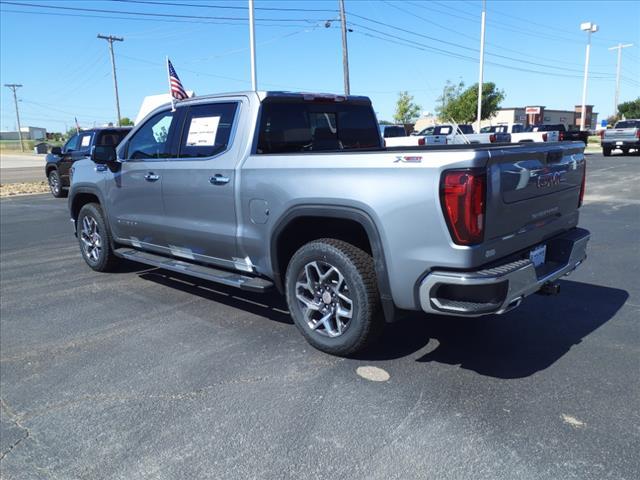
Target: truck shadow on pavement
(269, 305)
(514, 345)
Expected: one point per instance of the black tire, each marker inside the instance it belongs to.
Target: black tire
(103, 259)
(55, 184)
(625, 151)
(606, 151)
(360, 283)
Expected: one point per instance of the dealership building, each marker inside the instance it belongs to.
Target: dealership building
(533, 115)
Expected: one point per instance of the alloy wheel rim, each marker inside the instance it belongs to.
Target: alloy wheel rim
(54, 184)
(91, 239)
(324, 298)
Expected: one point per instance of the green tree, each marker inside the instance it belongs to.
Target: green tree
(406, 110)
(450, 92)
(463, 107)
(385, 122)
(630, 109)
(126, 122)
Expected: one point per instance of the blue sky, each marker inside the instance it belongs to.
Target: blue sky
(535, 52)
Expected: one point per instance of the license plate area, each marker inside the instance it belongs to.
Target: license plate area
(619, 143)
(538, 255)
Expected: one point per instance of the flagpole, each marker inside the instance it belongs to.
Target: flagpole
(173, 105)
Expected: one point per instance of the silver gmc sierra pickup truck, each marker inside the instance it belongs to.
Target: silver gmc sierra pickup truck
(296, 192)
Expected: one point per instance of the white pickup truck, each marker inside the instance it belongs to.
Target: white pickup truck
(520, 133)
(463, 134)
(447, 135)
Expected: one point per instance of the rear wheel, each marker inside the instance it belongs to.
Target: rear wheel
(625, 151)
(606, 151)
(95, 239)
(55, 184)
(333, 296)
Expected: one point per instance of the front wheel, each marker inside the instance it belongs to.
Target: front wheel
(55, 184)
(333, 297)
(95, 240)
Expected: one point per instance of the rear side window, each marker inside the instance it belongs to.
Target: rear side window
(288, 127)
(111, 137)
(207, 129)
(466, 129)
(394, 131)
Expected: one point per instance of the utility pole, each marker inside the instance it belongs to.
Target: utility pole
(345, 52)
(619, 48)
(14, 87)
(252, 44)
(111, 39)
(480, 80)
(589, 28)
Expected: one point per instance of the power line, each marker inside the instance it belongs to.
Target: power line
(462, 56)
(155, 20)
(227, 7)
(147, 14)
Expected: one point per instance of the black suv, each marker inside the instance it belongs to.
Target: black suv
(79, 146)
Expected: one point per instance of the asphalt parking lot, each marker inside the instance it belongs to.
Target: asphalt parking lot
(145, 374)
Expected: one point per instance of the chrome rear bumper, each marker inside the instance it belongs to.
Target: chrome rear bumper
(499, 289)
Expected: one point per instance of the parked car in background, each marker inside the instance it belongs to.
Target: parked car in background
(521, 134)
(625, 135)
(392, 131)
(564, 134)
(424, 132)
(460, 134)
(296, 192)
(79, 146)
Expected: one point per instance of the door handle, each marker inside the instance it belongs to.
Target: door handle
(218, 179)
(151, 177)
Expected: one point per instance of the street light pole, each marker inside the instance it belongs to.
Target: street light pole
(14, 87)
(112, 39)
(619, 47)
(345, 51)
(589, 28)
(480, 80)
(252, 46)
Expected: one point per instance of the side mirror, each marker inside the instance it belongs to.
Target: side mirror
(103, 154)
(56, 150)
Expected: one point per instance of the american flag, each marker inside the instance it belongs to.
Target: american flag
(177, 90)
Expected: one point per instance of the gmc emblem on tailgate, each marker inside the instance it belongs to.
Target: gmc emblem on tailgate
(549, 180)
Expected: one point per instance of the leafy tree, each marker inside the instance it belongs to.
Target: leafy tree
(385, 122)
(630, 109)
(450, 92)
(463, 107)
(406, 110)
(612, 119)
(126, 122)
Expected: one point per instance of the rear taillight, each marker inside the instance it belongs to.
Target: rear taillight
(561, 136)
(638, 133)
(462, 194)
(602, 133)
(544, 137)
(583, 184)
(492, 138)
(421, 141)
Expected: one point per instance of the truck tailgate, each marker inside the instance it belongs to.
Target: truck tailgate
(531, 188)
(620, 134)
